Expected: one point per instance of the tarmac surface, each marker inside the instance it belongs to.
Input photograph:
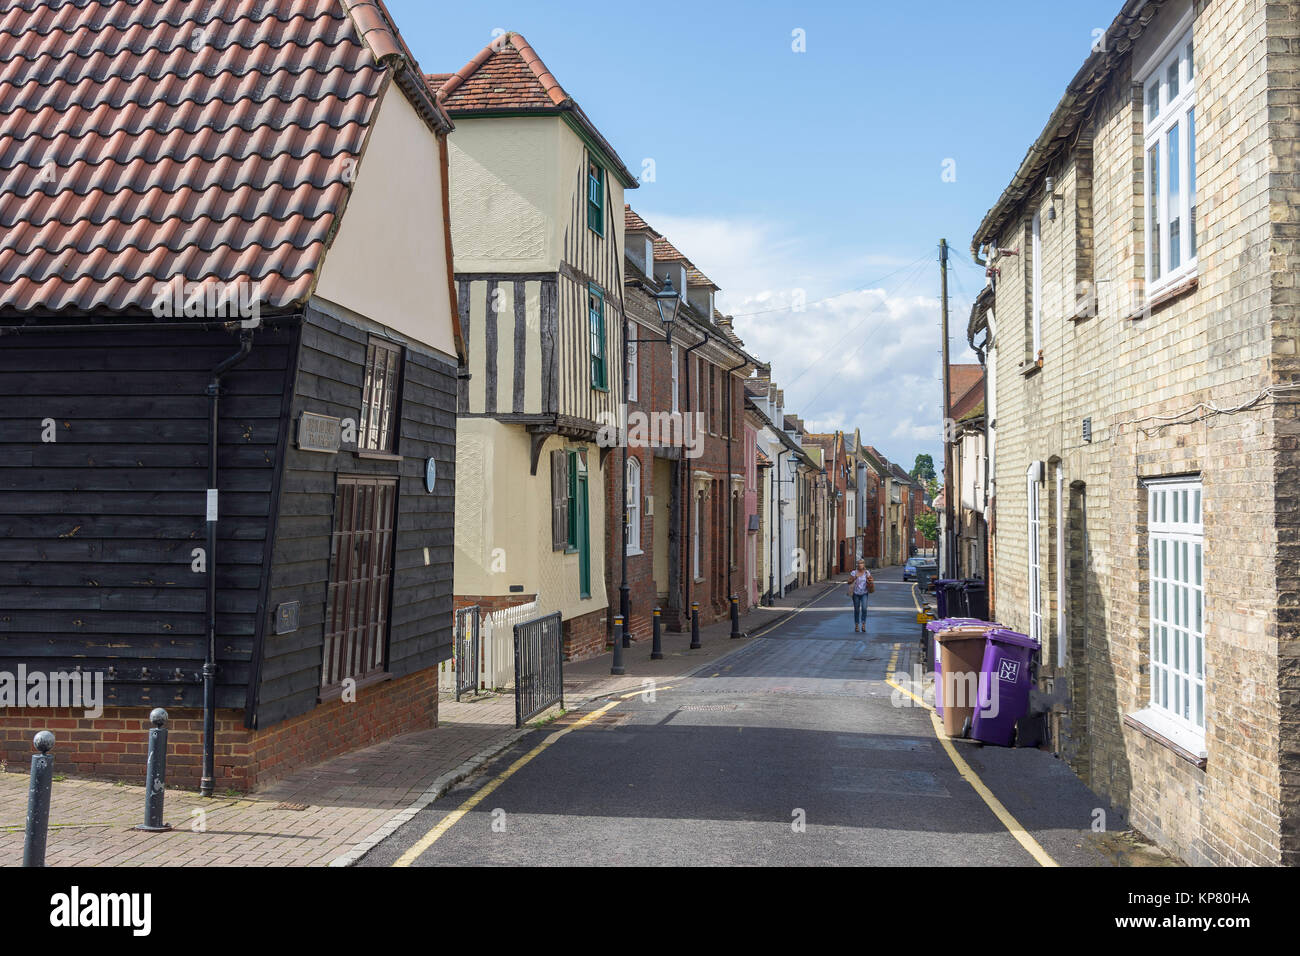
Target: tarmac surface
(791, 750)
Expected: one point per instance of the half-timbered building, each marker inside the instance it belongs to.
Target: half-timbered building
(537, 200)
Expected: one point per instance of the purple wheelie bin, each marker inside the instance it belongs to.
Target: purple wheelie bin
(1003, 686)
(934, 627)
(943, 587)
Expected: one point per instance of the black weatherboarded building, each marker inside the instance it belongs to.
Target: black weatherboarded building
(228, 363)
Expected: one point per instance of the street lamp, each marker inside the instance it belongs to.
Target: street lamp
(667, 301)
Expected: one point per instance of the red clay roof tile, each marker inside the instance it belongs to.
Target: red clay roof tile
(507, 74)
(634, 223)
(144, 141)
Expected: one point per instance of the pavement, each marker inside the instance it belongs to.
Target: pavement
(337, 811)
(797, 748)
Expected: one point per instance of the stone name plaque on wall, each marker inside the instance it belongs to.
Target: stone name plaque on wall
(319, 432)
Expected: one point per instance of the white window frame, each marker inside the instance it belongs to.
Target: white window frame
(1179, 111)
(633, 505)
(1176, 554)
(1036, 287)
(1034, 527)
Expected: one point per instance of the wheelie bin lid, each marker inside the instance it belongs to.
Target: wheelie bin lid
(949, 623)
(1004, 635)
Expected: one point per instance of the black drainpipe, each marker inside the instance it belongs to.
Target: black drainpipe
(690, 486)
(210, 659)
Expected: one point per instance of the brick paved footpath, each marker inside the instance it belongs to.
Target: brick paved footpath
(334, 812)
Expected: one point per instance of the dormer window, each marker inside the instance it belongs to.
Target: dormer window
(595, 197)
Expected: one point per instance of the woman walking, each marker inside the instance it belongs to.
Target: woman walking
(861, 583)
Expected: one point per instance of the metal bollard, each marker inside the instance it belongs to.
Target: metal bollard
(156, 773)
(735, 617)
(657, 644)
(617, 667)
(695, 625)
(38, 800)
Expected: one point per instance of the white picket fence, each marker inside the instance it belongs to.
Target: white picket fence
(497, 666)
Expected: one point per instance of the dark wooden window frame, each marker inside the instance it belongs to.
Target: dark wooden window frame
(358, 607)
(389, 395)
(595, 196)
(597, 333)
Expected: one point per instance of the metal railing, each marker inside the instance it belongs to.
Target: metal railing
(469, 645)
(496, 648)
(539, 666)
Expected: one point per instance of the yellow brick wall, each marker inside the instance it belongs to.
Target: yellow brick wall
(1214, 344)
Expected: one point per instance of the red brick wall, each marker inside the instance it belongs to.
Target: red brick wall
(643, 590)
(115, 745)
(654, 388)
(585, 636)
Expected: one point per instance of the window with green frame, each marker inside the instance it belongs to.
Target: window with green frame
(596, 315)
(595, 196)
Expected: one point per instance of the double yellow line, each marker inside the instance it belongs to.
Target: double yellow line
(451, 819)
(1014, 827)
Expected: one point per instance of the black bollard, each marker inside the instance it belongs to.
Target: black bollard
(735, 617)
(38, 800)
(695, 625)
(156, 773)
(657, 644)
(617, 668)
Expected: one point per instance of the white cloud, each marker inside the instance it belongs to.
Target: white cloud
(868, 358)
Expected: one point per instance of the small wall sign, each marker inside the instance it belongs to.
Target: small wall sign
(319, 432)
(286, 617)
(430, 475)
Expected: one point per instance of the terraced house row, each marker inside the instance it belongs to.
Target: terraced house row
(304, 348)
(1140, 333)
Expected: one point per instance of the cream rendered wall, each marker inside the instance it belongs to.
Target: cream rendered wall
(503, 520)
(388, 260)
(509, 193)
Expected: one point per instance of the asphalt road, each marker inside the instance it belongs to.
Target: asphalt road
(790, 751)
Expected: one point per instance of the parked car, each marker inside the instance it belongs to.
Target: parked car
(909, 569)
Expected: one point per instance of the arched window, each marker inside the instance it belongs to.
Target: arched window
(633, 505)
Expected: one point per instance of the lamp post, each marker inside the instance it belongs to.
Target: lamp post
(667, 302)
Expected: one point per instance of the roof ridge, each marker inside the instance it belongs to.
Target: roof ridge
(550, 85)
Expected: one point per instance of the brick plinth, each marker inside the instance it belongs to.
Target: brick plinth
(115, 744)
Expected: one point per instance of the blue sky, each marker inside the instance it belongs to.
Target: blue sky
(818, 173)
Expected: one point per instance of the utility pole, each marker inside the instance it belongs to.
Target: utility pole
(948, 569)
